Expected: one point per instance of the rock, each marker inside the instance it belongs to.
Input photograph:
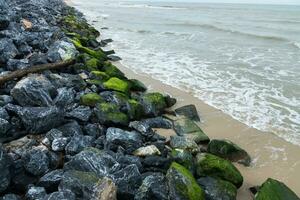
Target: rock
(99, 75)
(154, 187)
(156, 163)
(228, 150)
(40, 119)
(4, 114)
(150, 150)
(188, 128)
(110, 115)
(134, 109)
(92, 160)
(179, 142)
(35, 193)
(7, 50)
(10, 197)
(105, 190)
(65, 97)
(61, 50)
(185, 158)
(26, 24)
(94, 130)
(117, 84)
(112, 70)
(34, 90)
(182, 184)
(275, 190)
(128, 140)
(170, 101)
(67, 80)
(70, 129)
(5, 171)
(78, 143)
(136, 85)
(4, 127)
(36, 162)
(114, 58)
(158, 122)
(81, 113)
(15, 64)
(53, 134)
(62, 195)
(217, 189)
(58, 144)
(4, 22)
(90, 99)
(128, 181)
(51, 180)
(154, 104)
(189, 111)
(210, 165)
(5, 99)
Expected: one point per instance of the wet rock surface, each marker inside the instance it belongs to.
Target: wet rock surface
(86, 131)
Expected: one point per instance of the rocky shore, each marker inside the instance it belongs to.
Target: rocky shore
(85, 131)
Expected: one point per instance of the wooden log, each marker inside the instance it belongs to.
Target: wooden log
(35, 69)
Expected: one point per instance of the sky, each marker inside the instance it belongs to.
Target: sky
(286, 2)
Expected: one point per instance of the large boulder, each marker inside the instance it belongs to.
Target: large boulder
(7, 50)
(211, 165)
(62, 194)
(117, 84)
(61, 50)
(217, 189)
(180, 142)
(188, 128)
(90, 99)
(130, 141)
(5, 171)
(275, 190)
(184, 157)
(81, 113)
(109, 114)
(35, 193)
(78, 143)
(154, 104)
(153, 187)
(35, 90)
(51, 180)
(36, 162)
(228, 150)
(182, 184)
(189, 111)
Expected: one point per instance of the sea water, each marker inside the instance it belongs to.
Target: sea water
(242, 59)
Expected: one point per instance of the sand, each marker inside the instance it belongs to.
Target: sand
(271, 156)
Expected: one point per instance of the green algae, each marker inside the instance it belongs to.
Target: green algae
(90, 99)
(100, 75)
(117, 84)
(112, 71)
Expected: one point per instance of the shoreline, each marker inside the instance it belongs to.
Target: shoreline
(271, 155)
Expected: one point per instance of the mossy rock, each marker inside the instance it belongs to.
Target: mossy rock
(92, 64)
(275, 190)
(94, 82)
(216, 188)
(184, 158)
(117, 84)
(180, 142)
(99, 54)
(228, 150)
(154, 104)
(188, 128)
(134, 109)
(109, 114)
(137, 85)
(112, 71)
(214, 166)
(90, 99)
(182, 184)
(99, 75)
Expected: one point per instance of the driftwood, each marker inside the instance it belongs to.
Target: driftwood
(35, 69)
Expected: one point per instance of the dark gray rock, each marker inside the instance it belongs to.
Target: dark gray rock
(61, 50)
(156, 163)
(59, 144)
(40, 119)
(92, 160)
(4, 127)
(67, 80)
(15, 64)
(188, 111)
(36, 162)
(94, 130)
(78, 143)
(217, 189)
(7, 50)
(70, 129)
(125, 160)
(10, 197)
(114, 58)
(35, 193)
(53, 134)
(154, 187)
(128, 181)
(65, 97)
(82, 113)
(62, 195)
(51, 180)
(5, 171)
(4, 22)
(130, 141)
(180, 142)
(5, 99)
(35, 90)
(4, 114)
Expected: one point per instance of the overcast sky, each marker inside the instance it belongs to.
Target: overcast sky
(239, 1)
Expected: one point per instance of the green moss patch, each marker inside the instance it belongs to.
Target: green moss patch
(117, 85)
(153, 103)
(99, 75)
(112, 71)
(90, 99)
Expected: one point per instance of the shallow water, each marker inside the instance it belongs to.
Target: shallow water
(242, 59)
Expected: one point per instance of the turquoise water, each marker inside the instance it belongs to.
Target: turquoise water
(242, 59)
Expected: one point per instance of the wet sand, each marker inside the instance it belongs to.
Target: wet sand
(271, 156)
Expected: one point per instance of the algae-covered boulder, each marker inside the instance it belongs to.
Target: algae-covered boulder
(275, 190)
(117, 85)
(154, 104)
(182, 184)
(188, 128)
(134, 109)
(99, 75)
(99, 54)
(211, 165)
(184, 158)
(189, 111)
(112, 71)
(109, 114)
(137, 85)
(228, 150)
(90, 99)
(217, 189)
(179, 142)
(92, 64)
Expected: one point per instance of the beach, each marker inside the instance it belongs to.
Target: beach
(271, 155)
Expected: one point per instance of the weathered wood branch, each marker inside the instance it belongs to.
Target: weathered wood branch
(35, 69)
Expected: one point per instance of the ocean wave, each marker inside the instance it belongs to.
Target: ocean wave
(149, 6)
(296, 44)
